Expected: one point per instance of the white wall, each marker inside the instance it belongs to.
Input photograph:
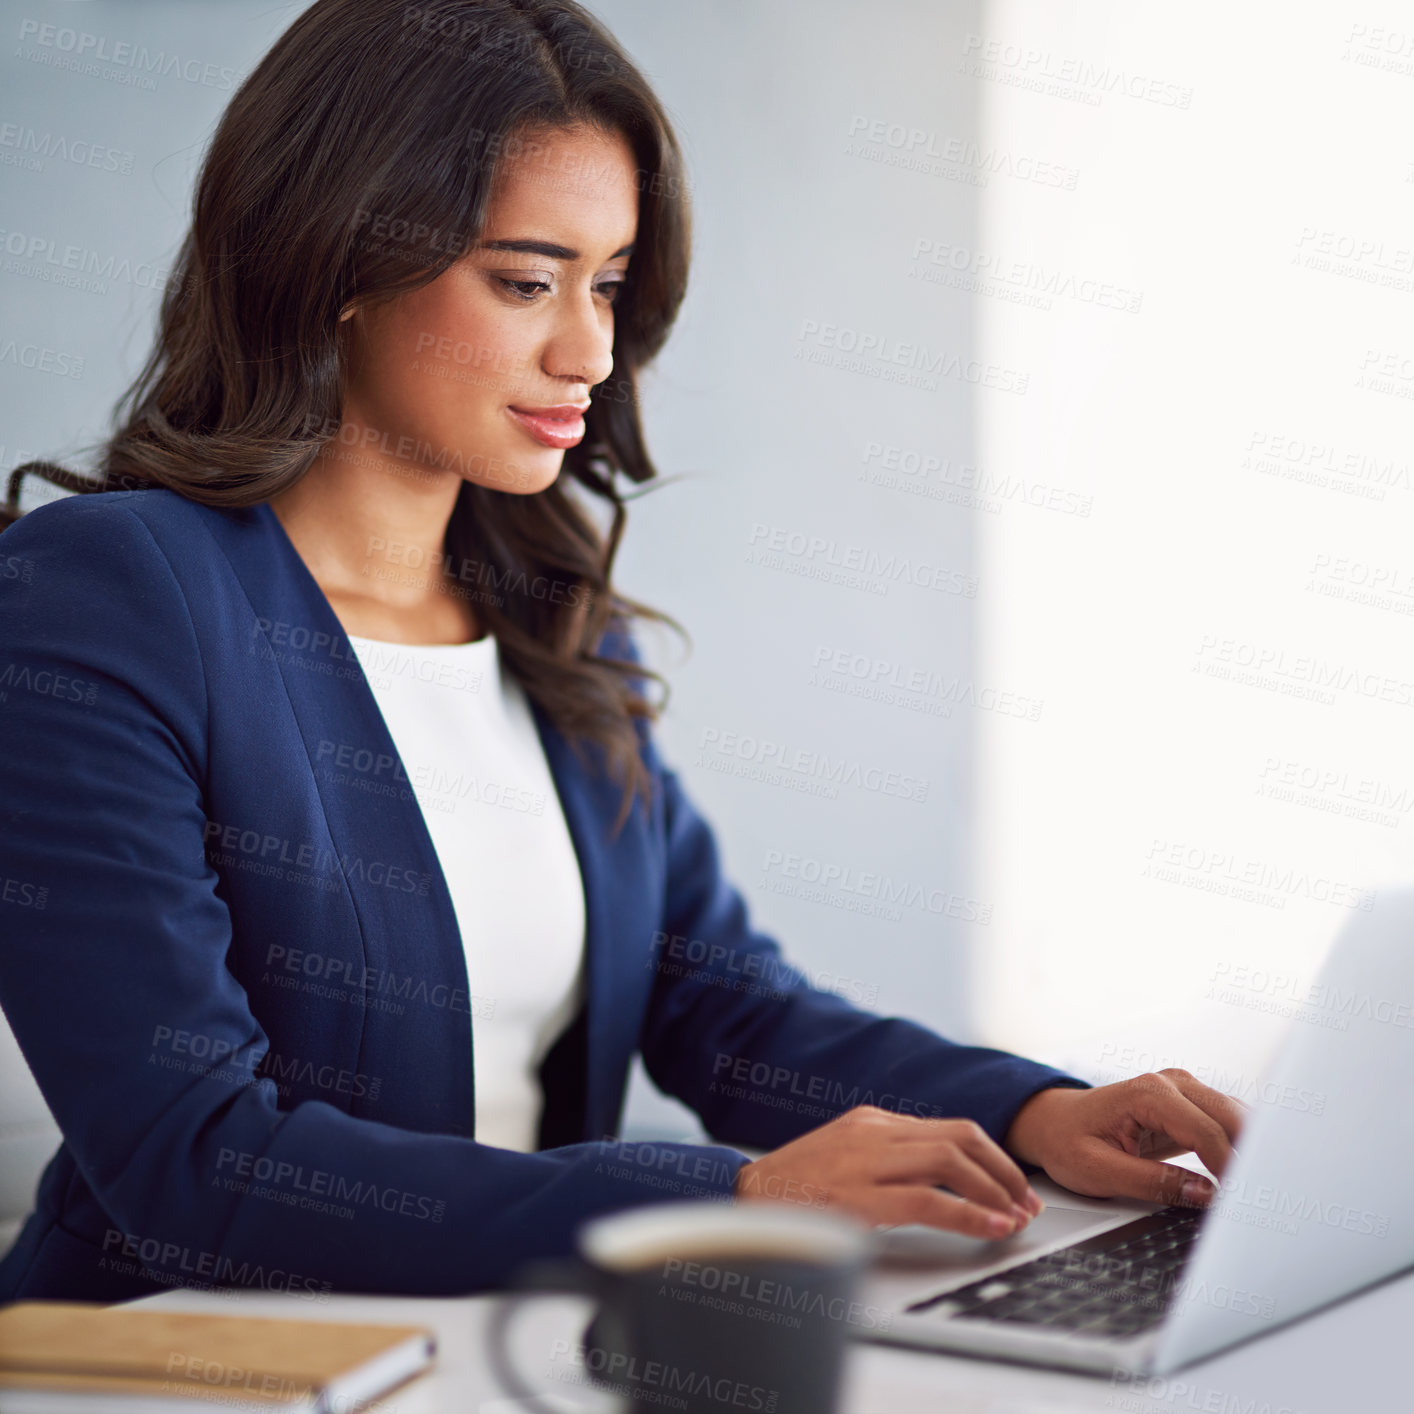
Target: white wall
(97, 164)
(1244, 435)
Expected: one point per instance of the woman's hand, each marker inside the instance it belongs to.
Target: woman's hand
(883, 1167)
(1107, 1142)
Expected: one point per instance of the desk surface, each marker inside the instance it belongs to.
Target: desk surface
(1348, 1359)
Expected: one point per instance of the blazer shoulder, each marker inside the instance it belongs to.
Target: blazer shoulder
(94, 513)
(89, 601)
(91, 565)
(92, 536)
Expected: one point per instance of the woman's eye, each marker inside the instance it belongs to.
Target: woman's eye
(529, 290)
(525, 289)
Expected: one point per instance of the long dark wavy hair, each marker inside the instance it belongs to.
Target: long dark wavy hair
(388, 117)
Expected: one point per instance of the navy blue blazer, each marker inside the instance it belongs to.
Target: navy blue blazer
(230, 958)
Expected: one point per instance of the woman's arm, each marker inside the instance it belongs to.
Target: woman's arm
(103, 744)
(740, 1035)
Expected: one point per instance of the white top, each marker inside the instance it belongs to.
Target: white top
(475, 762)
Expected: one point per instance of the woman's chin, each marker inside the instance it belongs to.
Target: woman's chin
(523, 476)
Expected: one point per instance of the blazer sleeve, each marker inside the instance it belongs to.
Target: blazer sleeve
(111, 925)
(740, 1035)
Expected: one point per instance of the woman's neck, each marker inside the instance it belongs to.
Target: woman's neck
(374, 545)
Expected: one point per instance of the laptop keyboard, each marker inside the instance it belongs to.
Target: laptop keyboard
(1117, 1284)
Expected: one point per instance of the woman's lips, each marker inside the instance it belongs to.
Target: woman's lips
(553, 427)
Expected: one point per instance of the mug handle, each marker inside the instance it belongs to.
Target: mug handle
(542, 1278)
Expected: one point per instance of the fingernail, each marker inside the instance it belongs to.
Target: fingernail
(1022, 1216)
(999, 1225)
(1195, 1191)
(1033, 1201)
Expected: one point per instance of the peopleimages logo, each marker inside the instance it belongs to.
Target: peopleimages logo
(160, 1256)
(289, 1182)
(1263, 1205)
(30, 148)
(32, 256)
(63, 47)
(781, 762)
(918, 149)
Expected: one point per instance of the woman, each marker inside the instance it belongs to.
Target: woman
(348, 878)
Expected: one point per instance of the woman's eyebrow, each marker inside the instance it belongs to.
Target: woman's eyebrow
(546, 248)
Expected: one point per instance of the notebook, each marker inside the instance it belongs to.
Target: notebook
(68, 1355)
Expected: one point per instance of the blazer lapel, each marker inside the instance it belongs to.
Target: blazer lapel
(614, 888)
(411, 942)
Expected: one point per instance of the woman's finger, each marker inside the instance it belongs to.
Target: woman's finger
(1228, 1112)
(1108, 1172)
(896, 1203)
(952, 1150)
(965, 1177)
(1166, 1110)
(987, 1152)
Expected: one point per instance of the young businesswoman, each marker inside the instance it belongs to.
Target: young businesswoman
(342, 876)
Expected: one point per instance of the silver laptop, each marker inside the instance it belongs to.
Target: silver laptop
(1314, 1205)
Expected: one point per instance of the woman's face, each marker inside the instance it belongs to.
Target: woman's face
(453, 375)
